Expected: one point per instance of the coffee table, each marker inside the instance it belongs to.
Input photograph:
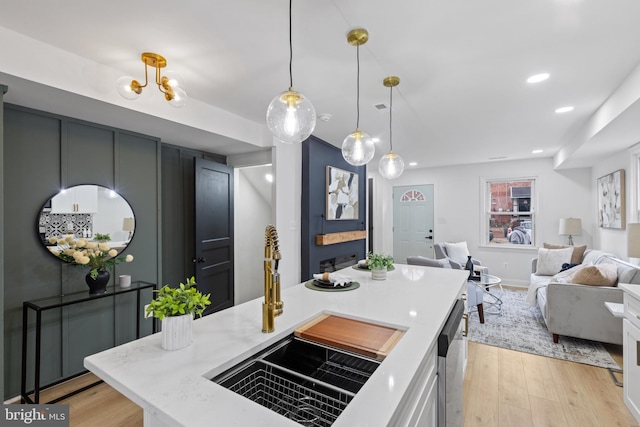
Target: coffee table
(486, 282)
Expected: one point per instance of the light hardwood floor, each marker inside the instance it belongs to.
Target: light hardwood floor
(502, 388)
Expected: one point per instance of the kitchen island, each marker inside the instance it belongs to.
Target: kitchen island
(174, 388)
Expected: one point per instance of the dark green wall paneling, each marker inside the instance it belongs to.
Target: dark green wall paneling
(3, 90)
(42, 153)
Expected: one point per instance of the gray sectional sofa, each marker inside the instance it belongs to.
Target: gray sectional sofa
(578, 310)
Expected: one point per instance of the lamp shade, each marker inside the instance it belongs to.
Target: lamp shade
(570, 227)
(633, 240)
(128, 224)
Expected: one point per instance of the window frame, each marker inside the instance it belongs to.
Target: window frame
(486, 211)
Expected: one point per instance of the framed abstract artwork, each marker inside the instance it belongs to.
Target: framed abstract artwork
(611, 200)
(342, 194)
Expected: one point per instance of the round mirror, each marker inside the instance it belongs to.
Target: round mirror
(89, 212)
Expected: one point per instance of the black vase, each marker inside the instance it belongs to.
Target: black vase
(99, 284)
(469, 266)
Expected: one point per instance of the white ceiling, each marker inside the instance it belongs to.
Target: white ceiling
(463, 96)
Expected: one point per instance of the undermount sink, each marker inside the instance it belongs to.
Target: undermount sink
(306, 382)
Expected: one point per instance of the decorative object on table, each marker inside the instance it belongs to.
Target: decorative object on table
(469, 267)
(291, 117)
(314, 285)
(611, 200)
(521, 327)
(391, 164)
(570, 227)
(342, 194)
(379, 264)
(333, 280)
(97, 255)
(128, 224)
(358, 147)
(124, 280)
(176, 308)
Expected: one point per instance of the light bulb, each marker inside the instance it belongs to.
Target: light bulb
(391, 165)
(291, 121)
(291, 117)
(358, 148)
(179, 98)
(128, 88)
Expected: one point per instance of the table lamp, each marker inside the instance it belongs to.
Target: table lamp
(128, 224)
(570, 227)
(633, 240)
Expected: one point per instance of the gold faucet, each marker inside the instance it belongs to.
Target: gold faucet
(272, 305)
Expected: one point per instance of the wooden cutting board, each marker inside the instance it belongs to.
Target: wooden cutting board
(369, 339)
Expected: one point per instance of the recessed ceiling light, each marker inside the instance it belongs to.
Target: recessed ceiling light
(564, 109)
(269, 177)
(538, 78)
(413, 163)
(536, 151)
(375, 139)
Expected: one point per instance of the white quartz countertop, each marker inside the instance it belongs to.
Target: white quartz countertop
(175, 386)
(631, 289)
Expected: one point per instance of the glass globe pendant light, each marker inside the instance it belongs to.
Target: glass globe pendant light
(291, 117)
(357, 147)
(391, 164)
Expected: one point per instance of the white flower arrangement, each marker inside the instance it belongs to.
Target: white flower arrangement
(97, 255)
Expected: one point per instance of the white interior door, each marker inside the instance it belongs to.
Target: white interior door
(412, 222)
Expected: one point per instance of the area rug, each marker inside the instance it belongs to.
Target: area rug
(521, 327)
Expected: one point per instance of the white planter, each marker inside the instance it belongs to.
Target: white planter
(379, 274)
(177, 332)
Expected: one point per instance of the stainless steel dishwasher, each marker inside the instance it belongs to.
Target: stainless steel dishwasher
(451, 349)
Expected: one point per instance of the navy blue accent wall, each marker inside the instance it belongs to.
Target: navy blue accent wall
(316, 156)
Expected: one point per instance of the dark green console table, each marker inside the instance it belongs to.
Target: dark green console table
(44, 304)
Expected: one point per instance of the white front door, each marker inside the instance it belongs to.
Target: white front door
(412, 222)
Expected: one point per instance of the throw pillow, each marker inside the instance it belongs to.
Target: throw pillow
(566, 276)
(578, 251)
(597, 275)
(457, 252)
(550, 260)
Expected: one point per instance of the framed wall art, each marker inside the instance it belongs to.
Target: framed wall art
(611, 200)
(342, 194)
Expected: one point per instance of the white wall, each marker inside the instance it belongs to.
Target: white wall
(252, 214)
(608, 239)
(287, 166)
(457, 191)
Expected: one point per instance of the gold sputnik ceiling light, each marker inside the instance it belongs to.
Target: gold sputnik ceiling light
(357, 147)
(131, 88)
(391, 164)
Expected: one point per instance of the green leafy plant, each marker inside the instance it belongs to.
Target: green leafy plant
(185, 299)
(102, 237)
(379, 261)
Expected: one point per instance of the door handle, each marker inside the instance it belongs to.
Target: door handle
(465, 316)
(429, 237)
(199, 260)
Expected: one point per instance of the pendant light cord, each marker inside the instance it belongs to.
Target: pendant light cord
(358, 88)
(290, 48)
(390, 113)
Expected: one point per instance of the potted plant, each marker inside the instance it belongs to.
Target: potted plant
(379, 264)
(176, 308)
